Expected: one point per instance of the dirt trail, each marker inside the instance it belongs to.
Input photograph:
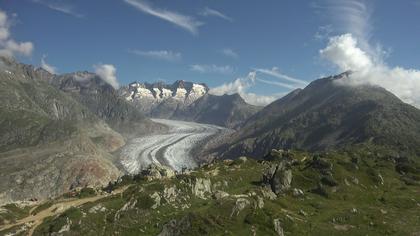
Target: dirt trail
(55, 209)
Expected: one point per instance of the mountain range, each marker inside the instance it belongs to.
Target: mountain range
(188, 101)
(60, 132)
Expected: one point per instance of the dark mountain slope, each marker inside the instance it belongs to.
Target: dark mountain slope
(227, 110)
(327, 114)
(103, 100)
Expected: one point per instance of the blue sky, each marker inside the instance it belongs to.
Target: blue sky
(214, 42)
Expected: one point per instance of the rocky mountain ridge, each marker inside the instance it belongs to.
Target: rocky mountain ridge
(328, 114)
(188, 101)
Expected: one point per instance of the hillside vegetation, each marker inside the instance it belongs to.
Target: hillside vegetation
(365, 190)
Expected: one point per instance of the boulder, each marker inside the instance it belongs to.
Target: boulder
(281, 181)
(278, 176)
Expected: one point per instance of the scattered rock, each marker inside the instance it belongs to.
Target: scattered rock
(267, 193)
(240, 204)
(302, 213)
(176, 227)
(220, 195)
(158, 171)
(277, 227)
(156, 197)
(243, 159)
(298, 192)
(260, 202)
(381, 182)
(65, 227)
(346, 182)
(170, 194)
(97, 208)
(201, 187)
(355, 180)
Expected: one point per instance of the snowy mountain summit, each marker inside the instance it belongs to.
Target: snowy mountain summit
(148, 96)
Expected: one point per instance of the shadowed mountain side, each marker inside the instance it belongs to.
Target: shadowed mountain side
(328, 114)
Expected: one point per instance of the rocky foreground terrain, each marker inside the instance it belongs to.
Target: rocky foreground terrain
(366, 190)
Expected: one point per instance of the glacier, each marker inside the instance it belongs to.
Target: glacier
(172, 149)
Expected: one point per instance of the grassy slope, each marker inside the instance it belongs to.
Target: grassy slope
(368, 207)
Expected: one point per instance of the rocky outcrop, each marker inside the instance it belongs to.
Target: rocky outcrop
(201, 187)
(278, 175)
(157, 171)
(240, 204)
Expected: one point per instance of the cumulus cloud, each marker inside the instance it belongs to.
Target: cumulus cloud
(241, 87)
(107, 73)
(8, 46)
(59, 6)
(344, 52)
(211, 12)
(47, 66)
(161, 54)
(229, 53)
(186, 22)
(212, 69)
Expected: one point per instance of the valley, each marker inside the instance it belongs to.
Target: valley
(172, 148)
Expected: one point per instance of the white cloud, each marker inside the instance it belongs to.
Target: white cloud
(212, 69)
(345, 53)
(241, 87)
(162, 54)
(280, 84)
(47, 66)
(59, 6)
(8, 46)
(186, 22)
(211, 12)
(276, 73)
(107, 73)
(229, 53)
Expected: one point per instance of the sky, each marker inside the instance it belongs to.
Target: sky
(259, 49)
